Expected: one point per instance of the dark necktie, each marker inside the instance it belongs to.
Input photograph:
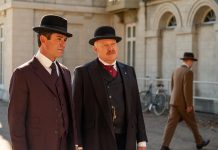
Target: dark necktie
(111, 70)
(54, 74)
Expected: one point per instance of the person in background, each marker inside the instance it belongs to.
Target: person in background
(181, 103)
(107, 104)
(40, 109)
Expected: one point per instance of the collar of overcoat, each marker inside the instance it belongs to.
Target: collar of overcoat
(99, 87)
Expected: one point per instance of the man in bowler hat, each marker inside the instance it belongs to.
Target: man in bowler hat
(107, 105)
(181, 103)
(40, 112)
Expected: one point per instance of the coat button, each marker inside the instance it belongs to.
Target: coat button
(56, 132)
(110, 96)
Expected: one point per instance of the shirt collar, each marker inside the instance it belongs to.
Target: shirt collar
(44, 60)
(107, 64)
(186, 65)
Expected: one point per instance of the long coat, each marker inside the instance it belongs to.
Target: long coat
(32, 111)
(92, 111)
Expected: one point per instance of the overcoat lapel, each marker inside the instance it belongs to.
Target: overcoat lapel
(43, 74)
(126, 81)
(98, 84)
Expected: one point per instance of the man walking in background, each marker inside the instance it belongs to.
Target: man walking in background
(40, 112)
(181, 103)
(107, 105)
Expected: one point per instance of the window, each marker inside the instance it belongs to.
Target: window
(130, 44)
(1, 53)
(113, 1)
(172, 22)
(210, 17)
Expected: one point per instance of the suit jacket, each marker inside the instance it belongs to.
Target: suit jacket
(32, 110)
(182, 87)
(93, 116)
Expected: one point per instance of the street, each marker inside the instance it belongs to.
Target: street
(183, 139)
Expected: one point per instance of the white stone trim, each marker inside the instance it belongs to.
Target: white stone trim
(57, 7)
(161, 10)
(198, 5)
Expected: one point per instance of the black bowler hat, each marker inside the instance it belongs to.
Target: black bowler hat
(104, 32)
(54, 24)
(189, 56)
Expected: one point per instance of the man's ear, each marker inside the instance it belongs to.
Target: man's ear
(94, 49)
(42, 38)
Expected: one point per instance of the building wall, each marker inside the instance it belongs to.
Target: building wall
(165, 46)
(158, 48)
(20, 44)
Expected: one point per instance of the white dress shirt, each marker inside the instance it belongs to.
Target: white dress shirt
(46, 62)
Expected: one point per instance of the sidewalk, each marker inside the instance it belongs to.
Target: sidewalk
(182, 140)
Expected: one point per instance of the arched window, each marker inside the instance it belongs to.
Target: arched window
(210, 17)
(172, 22)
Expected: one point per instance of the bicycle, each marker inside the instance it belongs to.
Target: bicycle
(156, 103)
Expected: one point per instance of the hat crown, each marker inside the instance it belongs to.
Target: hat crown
(54, 22)
(188, 55)
(105, 31)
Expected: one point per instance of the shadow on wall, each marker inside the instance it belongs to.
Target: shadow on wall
(4, 130)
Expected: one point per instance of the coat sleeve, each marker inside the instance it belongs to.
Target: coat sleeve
(140, 129)
(188, 88)
(18, 93)
(77, 101)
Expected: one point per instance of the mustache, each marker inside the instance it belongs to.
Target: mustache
(111, 52)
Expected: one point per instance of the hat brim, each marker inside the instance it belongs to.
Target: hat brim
(117, 38)
(189, 58)
(47, 29)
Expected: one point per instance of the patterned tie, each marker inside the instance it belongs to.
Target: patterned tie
(54, 74)
(111, 70)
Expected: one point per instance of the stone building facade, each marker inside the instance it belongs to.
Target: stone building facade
(155, 34)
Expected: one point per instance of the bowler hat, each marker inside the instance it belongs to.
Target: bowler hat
(52, 23)
(189, 56)
(104, 32)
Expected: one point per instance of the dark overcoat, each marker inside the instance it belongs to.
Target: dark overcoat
(92, 111)
(32, 112)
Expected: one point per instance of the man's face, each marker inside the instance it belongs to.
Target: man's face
(106, 50)
(189, 62)
(53, 48)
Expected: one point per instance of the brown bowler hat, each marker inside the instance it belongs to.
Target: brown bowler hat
(189, 56)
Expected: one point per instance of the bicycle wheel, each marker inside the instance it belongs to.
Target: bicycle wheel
(159, 104)
(145, 98)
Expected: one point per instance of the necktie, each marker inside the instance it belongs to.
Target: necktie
(54, 74)
(111, 70)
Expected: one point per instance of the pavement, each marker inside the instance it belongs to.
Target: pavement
(182, 140)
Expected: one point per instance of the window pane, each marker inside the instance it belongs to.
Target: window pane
(172, 22)
(210, 17)
(129, 31)
(128, 52)
(133, 31)
(133, 53)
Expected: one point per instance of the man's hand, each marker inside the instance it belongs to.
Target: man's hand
(141, 148)
(78, 148)
(189, 109)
